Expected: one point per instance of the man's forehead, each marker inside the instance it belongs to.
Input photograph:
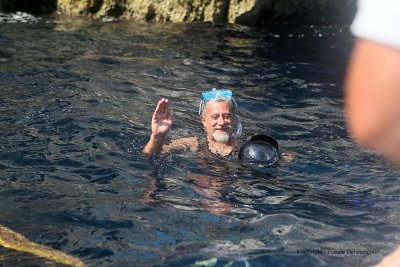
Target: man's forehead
(217, 106)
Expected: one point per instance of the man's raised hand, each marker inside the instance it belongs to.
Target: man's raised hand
(161, 121)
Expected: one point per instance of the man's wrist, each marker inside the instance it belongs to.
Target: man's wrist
(159, 138)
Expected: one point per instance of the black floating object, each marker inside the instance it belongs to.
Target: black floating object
(261, 150)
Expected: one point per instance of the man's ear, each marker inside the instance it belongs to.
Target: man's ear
(202, 120)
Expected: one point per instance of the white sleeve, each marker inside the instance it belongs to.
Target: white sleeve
(378, 20)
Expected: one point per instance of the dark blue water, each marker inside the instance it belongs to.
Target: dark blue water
(75, 108)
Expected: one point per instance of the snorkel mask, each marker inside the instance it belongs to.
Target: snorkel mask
(223, 95)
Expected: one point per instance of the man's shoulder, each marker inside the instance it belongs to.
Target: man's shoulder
(187, 139)
(191, 143)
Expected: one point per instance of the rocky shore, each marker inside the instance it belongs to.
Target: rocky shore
(246, 12)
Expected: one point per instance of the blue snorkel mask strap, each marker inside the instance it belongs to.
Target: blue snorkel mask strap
(238, 128)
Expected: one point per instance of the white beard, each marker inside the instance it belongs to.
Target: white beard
(221, 137)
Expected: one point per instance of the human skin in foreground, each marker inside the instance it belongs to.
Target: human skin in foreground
(372, 86)
(372, 95)
(217, 119)
(392, 260)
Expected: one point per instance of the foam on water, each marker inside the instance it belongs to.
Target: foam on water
(18, 17)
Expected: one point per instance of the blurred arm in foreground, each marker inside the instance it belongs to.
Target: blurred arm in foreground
(373, 97)
(372, 90)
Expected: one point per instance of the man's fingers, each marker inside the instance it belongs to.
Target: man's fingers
(162, 105)
(158, 107)
(162, 108)
(165, 105)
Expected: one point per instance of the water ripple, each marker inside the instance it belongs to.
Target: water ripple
(77, 100)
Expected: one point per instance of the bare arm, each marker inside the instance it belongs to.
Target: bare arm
(161, 124)
(372, 96)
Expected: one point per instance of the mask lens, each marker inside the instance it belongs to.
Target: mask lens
(215, 94)
(259, 152)
(256, 154)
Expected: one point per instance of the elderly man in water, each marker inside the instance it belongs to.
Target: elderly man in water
(217, 113)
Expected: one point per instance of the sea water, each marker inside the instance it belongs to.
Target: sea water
(76, 102)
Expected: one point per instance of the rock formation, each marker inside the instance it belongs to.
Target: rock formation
(248, 12)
